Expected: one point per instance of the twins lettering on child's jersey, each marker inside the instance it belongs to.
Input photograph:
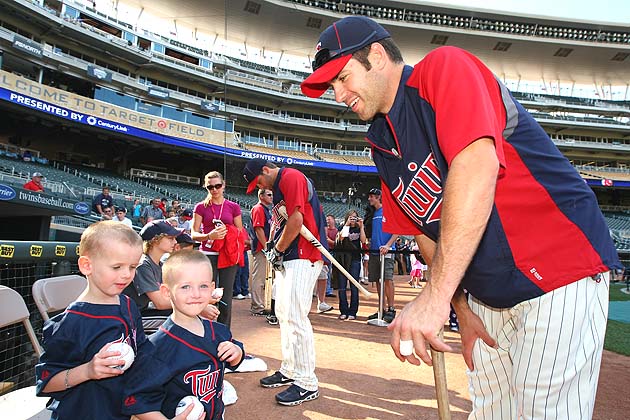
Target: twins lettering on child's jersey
(203, 383)
(422, 198)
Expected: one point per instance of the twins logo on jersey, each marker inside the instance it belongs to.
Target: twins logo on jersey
(422, 198)
(203, 383)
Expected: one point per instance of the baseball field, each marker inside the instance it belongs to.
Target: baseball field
(361, 379)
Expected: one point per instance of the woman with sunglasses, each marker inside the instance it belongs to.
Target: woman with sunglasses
(217, 223)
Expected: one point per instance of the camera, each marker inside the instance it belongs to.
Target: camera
(217, 223)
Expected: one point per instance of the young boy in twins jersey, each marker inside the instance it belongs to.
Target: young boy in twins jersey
(74, 369)
(188, 354)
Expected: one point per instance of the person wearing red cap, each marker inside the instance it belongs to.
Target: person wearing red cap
(297, 264)
(496, 207)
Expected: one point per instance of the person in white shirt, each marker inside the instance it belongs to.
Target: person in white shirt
(121, 216)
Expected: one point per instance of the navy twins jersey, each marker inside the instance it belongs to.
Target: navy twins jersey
(178, 363)
(545, 229)
(71, 339)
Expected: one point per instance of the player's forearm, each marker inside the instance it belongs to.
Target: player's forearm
(427, 247)
(468, 201)
(291, 230)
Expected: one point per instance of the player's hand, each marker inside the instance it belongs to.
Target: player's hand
(211, 312)
(470, 329)
(229, 352)
(421, 320)
(274, 256)
(99, 366)
(383, 249)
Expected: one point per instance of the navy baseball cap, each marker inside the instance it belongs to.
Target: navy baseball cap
(184, 238)
(252, 169)
(335, 48)
(374, 191)
(158, 227)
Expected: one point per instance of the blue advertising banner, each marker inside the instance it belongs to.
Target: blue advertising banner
(83, 118)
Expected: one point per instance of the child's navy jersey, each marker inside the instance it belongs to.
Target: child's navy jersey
(178, 363)
(72, 338)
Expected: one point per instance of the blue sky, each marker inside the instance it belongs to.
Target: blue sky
(612, 11)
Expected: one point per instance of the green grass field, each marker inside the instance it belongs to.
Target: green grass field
(618, 333)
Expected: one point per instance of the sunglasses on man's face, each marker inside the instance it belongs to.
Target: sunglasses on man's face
(214, 187)
(269, 195)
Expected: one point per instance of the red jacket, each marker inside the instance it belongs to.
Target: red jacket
(33, 186)
(230, 248)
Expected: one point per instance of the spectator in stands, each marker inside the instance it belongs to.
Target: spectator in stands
(121, 216)
(108, 213)
(152, 212)
(102, 201)
(217, 223)
(163, 203)
(176, 207)
(184, 220)
(35, 184)
(137, 209)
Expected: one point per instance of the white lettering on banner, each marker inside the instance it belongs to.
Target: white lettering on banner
(50, 201)
(34, 103)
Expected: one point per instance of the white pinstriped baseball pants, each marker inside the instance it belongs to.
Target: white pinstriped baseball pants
(548, 357)
(294, 295)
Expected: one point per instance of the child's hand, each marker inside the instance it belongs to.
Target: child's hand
(184, 414)
(211, 312)
(99, 366)
(229, 352)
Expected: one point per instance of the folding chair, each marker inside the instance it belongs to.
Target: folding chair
(56, 293)
(21, 403)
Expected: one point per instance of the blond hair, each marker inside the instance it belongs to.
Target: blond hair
(210, 175)
(148, 245)
(106, 234)
(180, 259)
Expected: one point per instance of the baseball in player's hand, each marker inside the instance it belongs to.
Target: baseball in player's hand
(421, 320)
(99, 366)
(229, 352)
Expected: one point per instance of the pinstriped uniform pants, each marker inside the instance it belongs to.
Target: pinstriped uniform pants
(548, 357)
(294, 295)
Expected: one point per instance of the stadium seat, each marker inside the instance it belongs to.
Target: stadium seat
(21, 403)
(56, 293)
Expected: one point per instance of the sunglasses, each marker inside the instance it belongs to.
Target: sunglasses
(214, 187)
(269, 195)
(324, 55)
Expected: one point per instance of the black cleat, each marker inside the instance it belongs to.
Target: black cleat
(275, 380)
(294, 395)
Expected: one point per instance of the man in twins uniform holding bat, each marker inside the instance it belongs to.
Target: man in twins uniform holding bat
(499, 210)
(297, 263)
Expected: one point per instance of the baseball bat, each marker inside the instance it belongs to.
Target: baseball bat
(269, 278)
(441, 388)
(282, 211)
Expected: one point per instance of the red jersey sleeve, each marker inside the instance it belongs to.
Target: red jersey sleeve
(395, 221)
(466, 99)
(258, 216)
(293, 186)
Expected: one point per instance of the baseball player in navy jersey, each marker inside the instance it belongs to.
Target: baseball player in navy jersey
(500, 210)
(297, 263)
(188, 354)
(74, 369)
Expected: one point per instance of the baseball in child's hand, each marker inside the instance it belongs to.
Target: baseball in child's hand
(185, 402)
(126, 354)
(217, 293)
